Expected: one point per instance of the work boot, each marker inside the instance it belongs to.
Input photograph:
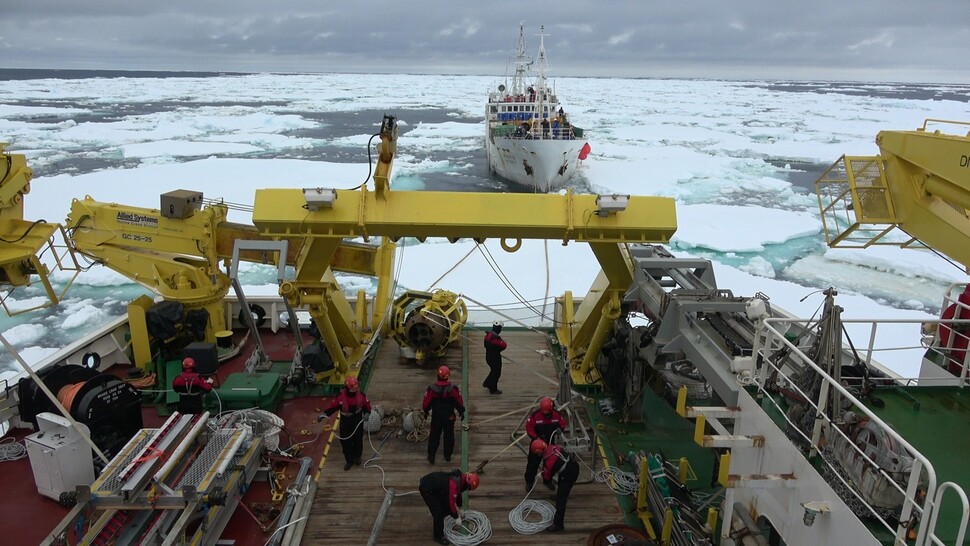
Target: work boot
(549, 484)
(528, 488)
(555, 528)
(496, 391)
(448, 458)
(441, 540)
(357, 461)
(347, 465)
(431, 459)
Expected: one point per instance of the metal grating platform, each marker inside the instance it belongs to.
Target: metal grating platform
(110, 480)
(222, 445)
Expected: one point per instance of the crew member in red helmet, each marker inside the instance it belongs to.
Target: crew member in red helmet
(354, 408)
(443, 400)
(545, 424)
(556, 461)
(442, 491)
(494, 345)
(191, 388)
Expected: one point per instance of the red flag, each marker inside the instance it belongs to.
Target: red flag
(585, 151)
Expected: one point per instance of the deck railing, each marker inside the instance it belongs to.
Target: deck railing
(921, 475)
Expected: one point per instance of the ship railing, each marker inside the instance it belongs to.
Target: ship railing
(955, 351)
(539, 313)
(921, 475)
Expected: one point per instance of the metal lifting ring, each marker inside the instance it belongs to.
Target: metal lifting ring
(511, 248)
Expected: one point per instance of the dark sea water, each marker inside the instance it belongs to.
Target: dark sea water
(51, 73)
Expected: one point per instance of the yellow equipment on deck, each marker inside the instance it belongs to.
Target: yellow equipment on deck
(427, 322)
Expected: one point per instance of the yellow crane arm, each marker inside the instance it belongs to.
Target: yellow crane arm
(22, 243)
(920, 184)
(929, 179)
(385, 154)
(178, 257)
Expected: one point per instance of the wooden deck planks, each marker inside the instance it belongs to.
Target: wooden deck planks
(347, 503)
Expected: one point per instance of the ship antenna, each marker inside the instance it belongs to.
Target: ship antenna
(541, 57)
(522, 63)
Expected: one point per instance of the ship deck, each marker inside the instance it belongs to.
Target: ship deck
(934, 420)
(348, 503)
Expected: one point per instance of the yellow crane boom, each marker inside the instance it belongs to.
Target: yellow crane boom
(23, 243)
(919, 184)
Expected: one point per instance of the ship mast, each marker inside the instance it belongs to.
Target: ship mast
(541, 58)
(522, 63)
(541, 82)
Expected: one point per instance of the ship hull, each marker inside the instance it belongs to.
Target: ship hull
(544, 165)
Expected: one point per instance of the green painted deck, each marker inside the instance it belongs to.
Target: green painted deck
(936, 421)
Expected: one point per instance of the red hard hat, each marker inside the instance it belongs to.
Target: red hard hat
(351, 383)
(188, 363)
(443, 372)
(538, 446)
(472, 480)
(546, 405)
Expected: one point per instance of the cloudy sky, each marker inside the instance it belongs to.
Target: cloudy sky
(868, 40)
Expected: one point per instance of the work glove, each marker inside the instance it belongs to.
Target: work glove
(461, 417)
(426, 413)
(366, 417)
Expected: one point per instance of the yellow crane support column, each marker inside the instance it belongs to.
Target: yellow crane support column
(385, 286)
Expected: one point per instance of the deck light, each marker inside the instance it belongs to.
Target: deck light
(605, 204)
(319, 198)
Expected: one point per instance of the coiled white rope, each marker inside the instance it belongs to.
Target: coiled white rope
(519, 516)
(619, 481)
(12, 450)
(420, 426)
(474, 529)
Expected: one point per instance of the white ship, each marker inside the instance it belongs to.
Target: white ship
(530, 139)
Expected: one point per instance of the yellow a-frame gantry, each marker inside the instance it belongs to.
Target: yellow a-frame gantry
(605, 223)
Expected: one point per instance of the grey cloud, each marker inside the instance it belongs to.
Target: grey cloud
(874, 39)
